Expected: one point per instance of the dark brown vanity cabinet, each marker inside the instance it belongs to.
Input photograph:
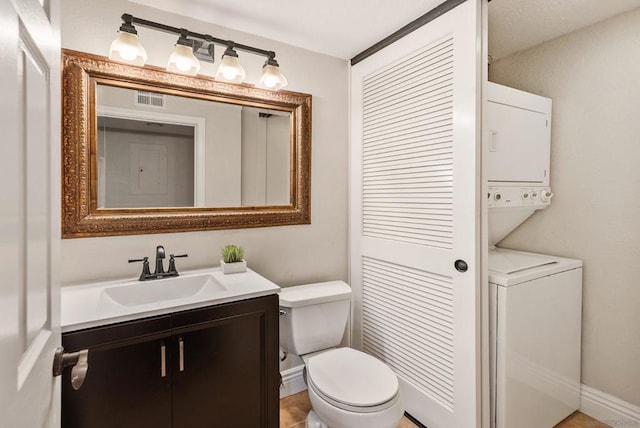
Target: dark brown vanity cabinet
(210, 367)
(124, 386)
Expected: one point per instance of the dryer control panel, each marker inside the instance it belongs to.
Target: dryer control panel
(526, 196)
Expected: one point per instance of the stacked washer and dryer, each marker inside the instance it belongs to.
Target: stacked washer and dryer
(535, 299)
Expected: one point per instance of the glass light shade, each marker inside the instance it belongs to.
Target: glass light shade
(230, 70)
(183, 61)
(127, 48)
(272, 79)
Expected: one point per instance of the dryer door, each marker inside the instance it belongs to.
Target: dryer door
(519, 126)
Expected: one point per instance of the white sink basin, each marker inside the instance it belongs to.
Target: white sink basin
(100, 303)
(161, 290)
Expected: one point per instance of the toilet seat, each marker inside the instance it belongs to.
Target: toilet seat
(352, 380)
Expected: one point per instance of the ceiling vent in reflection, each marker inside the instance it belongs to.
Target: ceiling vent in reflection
(150, 99)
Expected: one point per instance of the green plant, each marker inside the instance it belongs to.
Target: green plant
(232, 253)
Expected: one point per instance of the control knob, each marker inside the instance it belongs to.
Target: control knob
(546, 195)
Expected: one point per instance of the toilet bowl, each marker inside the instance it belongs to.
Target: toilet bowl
(347, 388)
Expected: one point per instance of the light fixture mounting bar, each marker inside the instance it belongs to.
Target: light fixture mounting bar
(130, 19)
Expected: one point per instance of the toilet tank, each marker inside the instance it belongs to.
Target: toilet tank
(315, 316)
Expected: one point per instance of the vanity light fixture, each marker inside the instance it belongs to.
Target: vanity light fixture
(191, 46)
(230, 69)
(126, 47)
(182, 60)
(271, 77)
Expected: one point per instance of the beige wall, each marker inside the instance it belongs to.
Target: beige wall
(277, 159)
(287, 255)
(266, 157)
(593, 77)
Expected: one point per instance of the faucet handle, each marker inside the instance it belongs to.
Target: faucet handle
(172, 263)
(172, 256)
(146, 273)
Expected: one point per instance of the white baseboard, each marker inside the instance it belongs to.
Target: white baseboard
(608, 409)
(292, 381)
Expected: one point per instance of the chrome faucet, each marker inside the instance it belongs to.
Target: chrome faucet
(159, 272)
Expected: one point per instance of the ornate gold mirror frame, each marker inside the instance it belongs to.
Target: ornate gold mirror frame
(81, 216)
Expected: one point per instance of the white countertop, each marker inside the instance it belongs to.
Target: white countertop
(87, 305)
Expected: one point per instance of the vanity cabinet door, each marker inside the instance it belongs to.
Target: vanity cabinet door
(226, 372)
(125, 386)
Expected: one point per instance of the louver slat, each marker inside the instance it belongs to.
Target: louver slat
(407, 196)
(408, 146)
(407, 322)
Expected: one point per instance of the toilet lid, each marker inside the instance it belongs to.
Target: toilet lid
(352, 377)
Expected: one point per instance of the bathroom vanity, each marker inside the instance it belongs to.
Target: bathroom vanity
(206, 359)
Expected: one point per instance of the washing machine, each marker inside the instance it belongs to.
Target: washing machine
(535, 299)
(535, 320)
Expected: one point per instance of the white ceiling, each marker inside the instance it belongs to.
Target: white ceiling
(344, 28)
(515, 25)
(341, 28)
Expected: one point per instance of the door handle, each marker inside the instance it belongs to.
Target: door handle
(78, 360)
(181, 354)
(461, 265)
(493, 141)
(163, 360)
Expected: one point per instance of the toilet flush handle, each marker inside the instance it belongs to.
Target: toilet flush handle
(285, 354)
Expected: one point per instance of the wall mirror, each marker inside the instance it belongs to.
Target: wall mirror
(146, 151)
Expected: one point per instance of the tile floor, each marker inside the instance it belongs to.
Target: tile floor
(293, 411)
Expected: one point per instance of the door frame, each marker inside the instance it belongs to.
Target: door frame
(199, 139)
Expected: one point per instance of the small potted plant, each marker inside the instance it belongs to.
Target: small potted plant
(232, 261)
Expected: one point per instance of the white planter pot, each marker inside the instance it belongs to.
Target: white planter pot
(237, 267)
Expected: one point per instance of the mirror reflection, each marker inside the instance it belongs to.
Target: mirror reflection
(161, 150)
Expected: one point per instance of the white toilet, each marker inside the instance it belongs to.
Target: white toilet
(347, 388)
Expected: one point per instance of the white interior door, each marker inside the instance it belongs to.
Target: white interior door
(415, 210)
(148, 169)
(29, 212)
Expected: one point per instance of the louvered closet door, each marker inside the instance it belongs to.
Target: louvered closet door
(415, 211)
